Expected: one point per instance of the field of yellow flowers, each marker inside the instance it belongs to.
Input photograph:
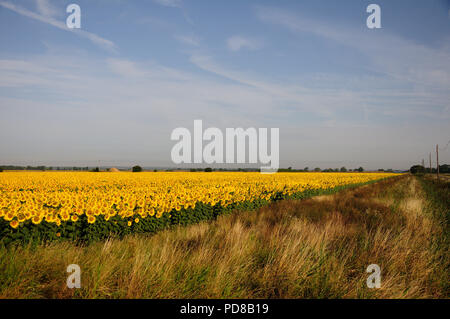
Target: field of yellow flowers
(86, 205)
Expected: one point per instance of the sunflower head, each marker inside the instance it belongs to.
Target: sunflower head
(14, 224)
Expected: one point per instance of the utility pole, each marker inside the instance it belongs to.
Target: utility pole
(437, 161)
(430, 163)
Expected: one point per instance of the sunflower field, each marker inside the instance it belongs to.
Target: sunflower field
(86, 206)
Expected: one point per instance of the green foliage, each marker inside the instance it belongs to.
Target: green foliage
(444, 169)
(137, 168)
(208, 169)
(438, 195)
(289, 170)
(117, 226)
(417, 169)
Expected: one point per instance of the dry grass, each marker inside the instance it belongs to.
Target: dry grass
(316, 248)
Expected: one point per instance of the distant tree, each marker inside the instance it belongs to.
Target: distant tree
(96, 169)
(155, 170)
(208, 169)
(317, 169)
(306, 169)
(390, 170)
(137, 168)
(1, 170)
(360, 169)
(343, 169)
(444, 169)
(381, 170)
(417, 169)
(290, 167)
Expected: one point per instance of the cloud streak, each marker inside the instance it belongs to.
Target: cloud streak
(46, 8)
(169, 3)
(390, 54)
(238, 42)
(94, 38)
(190, 40)
(65, 105)
(116, 101)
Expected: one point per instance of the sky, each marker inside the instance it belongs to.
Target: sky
(111, 93)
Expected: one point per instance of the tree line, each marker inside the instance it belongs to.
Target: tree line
(419, 169)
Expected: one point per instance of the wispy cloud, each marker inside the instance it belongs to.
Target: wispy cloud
(124, 68)
(169, 3)
(191, 40)
(393, 55)
(238, 42)
(176, 4)
(116, 101)
(94, 38)
(46, 8)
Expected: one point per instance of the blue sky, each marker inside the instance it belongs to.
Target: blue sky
(112, 92)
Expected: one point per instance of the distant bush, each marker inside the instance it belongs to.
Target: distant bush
(417, 169)
(208, 169)
(96, 169)
(444, 168)
(137, 168)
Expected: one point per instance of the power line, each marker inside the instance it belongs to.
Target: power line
(443, 149)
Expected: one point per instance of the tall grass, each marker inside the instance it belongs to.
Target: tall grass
(437, 193)
(314, 248)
